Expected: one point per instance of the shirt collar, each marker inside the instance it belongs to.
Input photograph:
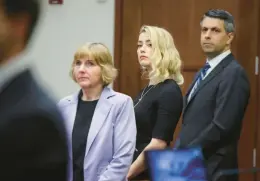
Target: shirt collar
(216, 60)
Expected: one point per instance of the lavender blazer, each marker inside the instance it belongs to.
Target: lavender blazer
(111, 139)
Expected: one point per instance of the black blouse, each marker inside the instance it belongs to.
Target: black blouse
(157, 111)
(85, 111)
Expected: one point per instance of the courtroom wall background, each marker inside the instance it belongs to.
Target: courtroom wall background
(63, 28)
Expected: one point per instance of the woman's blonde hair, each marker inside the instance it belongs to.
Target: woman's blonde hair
(101, 55)
(165, 60)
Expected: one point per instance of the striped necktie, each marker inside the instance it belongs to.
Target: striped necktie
(200, 77)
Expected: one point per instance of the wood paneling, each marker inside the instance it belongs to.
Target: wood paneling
(181, 19)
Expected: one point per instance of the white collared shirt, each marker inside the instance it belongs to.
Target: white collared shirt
(213, 63)
(12, 68)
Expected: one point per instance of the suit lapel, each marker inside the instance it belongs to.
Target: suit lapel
(190, 88)
(102, 109)
(211, 75)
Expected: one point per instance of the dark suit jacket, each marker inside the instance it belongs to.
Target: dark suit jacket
(213, 117)
(33, 145)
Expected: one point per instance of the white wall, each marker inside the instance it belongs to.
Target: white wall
(62, 30)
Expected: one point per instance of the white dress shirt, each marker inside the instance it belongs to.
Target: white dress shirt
(213, 63)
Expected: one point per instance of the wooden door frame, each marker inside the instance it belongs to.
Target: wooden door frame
(257, 141)
(118, 34)
(118, 39)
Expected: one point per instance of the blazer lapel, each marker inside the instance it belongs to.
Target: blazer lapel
(211, 75)
(102, 109)
(71, 111)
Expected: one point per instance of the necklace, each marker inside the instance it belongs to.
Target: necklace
(143, 94)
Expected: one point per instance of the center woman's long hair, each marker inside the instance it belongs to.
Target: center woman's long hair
(165, 60)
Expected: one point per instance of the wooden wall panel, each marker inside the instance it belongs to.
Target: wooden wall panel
(181, 19)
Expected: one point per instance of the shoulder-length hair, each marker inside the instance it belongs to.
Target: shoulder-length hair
(101, 55)
(165, 60)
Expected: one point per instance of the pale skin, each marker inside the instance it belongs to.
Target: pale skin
(144, 51)
(214, 38)
(88, 75)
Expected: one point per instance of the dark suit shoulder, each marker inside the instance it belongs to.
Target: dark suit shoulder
(32, 133)
(39, 102)
(235, 72)
(30, 100)
(234, 68)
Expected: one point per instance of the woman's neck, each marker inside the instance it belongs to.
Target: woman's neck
(91, 94)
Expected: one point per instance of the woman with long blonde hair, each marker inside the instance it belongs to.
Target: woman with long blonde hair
(158, 106)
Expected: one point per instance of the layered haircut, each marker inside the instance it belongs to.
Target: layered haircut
(165, 60)
(99, 53)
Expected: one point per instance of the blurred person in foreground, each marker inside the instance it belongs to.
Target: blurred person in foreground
(32, 135)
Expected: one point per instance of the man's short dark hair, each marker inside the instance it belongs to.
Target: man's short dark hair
(223, 15)
(15, 8)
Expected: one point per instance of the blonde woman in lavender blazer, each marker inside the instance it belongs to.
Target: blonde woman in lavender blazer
(100, 122)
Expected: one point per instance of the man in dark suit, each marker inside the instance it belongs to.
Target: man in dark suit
(216, 101)
(33, 145)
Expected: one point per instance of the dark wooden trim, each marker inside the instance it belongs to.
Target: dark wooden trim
(118, 39)
(257, 124)
(258, 84)
(191, 68)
